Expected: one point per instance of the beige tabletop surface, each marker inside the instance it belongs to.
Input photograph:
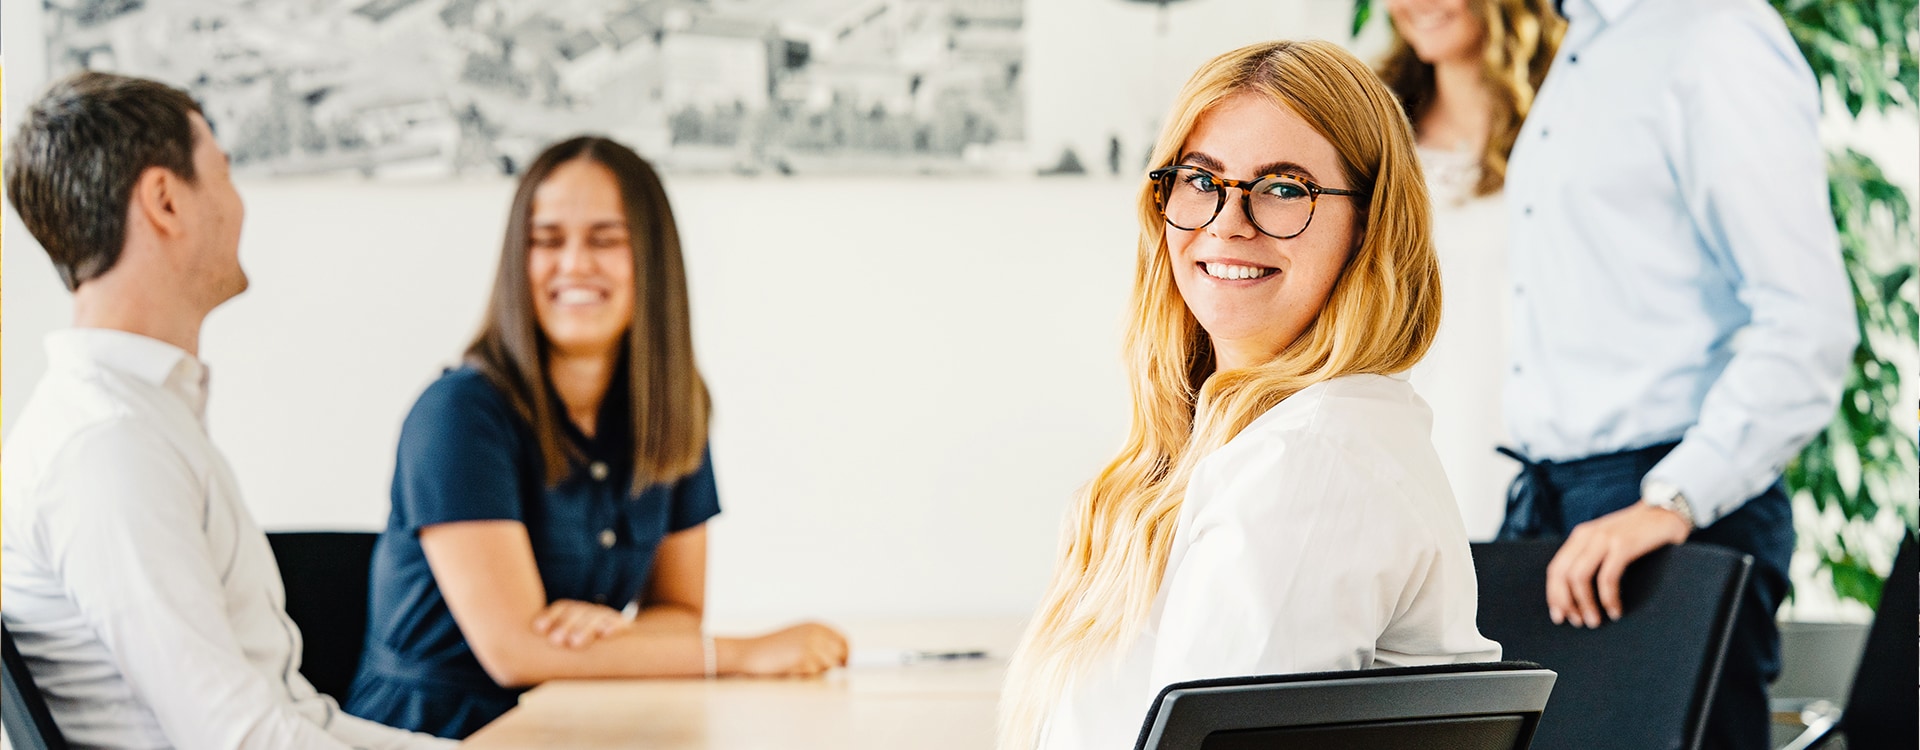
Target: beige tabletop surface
(922, 705)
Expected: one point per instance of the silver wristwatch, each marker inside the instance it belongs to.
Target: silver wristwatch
(1666, 496)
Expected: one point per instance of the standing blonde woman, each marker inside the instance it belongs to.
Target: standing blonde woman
(1278, 506)
(1466, 72)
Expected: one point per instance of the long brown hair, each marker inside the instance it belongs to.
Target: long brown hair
(668, 399)
(1380, 319)
(1522, 37)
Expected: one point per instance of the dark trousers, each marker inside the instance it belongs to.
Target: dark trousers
(1550, 498)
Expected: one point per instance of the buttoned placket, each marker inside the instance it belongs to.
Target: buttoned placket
(598, 472)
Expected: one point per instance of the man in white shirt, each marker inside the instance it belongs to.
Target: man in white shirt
(1682, 321)
(143, 597)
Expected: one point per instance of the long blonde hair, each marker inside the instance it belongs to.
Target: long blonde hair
(1380, 318)
(1522, 37)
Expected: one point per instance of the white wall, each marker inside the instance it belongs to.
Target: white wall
(903, 402)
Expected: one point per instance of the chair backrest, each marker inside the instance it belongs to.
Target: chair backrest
(1644, 681)
(325, 574)
(1488, 706)
(1880, 711)
(22, 709)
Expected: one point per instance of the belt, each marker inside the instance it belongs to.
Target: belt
(1533, 506)
(1533, 500)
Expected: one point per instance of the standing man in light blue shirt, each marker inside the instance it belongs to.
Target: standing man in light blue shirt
(1682, 321)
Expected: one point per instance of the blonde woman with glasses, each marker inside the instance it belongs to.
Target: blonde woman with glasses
(1278, 506)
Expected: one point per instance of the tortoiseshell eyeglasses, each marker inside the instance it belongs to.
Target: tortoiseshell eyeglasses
(1279, 205)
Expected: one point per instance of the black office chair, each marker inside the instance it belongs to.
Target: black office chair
(325, 574)
(22, 709)
(1645, 681)
(1487, 706)
(1880, 713)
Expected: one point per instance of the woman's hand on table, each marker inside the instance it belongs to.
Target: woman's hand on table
(803, 650)
(573, 624)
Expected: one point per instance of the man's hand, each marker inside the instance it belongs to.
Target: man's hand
(1602, 548)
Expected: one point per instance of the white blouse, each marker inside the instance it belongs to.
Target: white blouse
(1322, 537)
(1464, 374)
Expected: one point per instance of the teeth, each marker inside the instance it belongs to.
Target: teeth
(1233, 273)
(577, 297)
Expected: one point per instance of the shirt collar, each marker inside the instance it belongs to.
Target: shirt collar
(613, 427)
(146, 359)
(1609, 11)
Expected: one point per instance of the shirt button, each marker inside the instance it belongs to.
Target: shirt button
(1543, 132)
(607, 538)
(1519, 290)
(1574, 58)
(1528, 210)
(1516, 371)
(598, 470)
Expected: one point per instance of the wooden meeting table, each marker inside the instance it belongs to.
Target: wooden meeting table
(931, 704)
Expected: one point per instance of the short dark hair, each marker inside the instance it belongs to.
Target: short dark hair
(80, 150)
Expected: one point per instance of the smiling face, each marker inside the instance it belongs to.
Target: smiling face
(580, 260)
(1253, 293)
(1438, 30)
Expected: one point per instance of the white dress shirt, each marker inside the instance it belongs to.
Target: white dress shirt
(143, 597)
(1676, 271)
(1322, 537)
(1464, 374)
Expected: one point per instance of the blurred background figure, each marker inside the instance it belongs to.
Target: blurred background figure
(1682, 325)
(1466, 72)
(551, 495)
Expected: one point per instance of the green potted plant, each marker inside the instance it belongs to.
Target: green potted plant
(1857, 477)
(1860, 470)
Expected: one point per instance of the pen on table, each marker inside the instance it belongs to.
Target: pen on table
(919, 656)
(864, 657)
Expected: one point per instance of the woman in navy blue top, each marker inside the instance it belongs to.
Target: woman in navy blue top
(550, 495)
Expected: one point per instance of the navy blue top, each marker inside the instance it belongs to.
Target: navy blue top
(466, 456)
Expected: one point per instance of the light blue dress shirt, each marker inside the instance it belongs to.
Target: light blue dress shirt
(1675, 266)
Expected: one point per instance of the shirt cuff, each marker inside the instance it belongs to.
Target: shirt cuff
(1711, 482)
